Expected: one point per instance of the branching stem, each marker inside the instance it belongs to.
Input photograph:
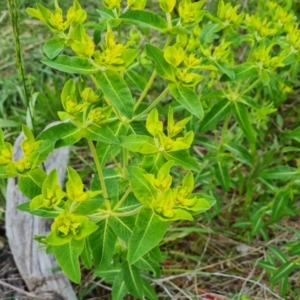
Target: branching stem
(152, 105)
(100, 173)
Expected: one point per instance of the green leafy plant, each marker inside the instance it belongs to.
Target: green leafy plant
(119, 222)
(221, 77)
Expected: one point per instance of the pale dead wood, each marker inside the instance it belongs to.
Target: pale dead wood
(35, 266)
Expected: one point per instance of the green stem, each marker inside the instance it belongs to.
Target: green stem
(58, 209)
(98, 218)
(169, 20)
(245, 91)
(73, 206)
(146, 89)
(224, 129)
(105, 99)
(102, 213)
(125, 9)
(125, 161)
(123, 198)
(150, 82)
(100, 173)
(161, 96)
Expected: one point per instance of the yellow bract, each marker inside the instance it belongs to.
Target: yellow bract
(228, 13)
(82, 44)
(174, 55)
(22, 165)
(136, 4)
(88, 95)
(65, 225)
(167, 5)
(77, 193)
(164, 203)
(5, 154)
(190, 13)
(111, 4)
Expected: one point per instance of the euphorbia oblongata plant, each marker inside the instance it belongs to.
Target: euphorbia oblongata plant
(136, 98)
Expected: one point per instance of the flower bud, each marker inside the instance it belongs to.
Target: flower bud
(167, 5)
(111, 4)
(136, 4)
(88, 95)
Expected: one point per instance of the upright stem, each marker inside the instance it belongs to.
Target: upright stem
(169, 20)
(165, 91)
(224, 129)
(100, 173)
(251, 86)
(150, 82)
(146, 89)
(123, 199)
(125, 161)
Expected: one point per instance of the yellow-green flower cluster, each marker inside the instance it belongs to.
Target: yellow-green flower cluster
(228, 14)
(166, 143)
(29, 147)
(54, 20)
(52, 194)
(77, 108)
(68, 226)
(174, 203)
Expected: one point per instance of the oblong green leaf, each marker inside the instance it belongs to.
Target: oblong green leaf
(102, 243)
(145, 263)
(67, 256)
(62, 134)
(148, 232)
(283, 271)
(183, 159)
(54, 46)
(122, 227)
(31, 185)
(281, 257)
(3, 172)
(245, 71)
(163, 69)
(139, 143)
(88, 206)
(87, 255)
(208, 32)
(100, 133)
(116, 91)
(267, 266)
(284, 283)
(149, 291)
(105, 13)
(222, 175)
(140, 185)
(42, 212)
(133, 279)
(295, 134)
(241, 152)
(188, 99)
(146, 19)
(8, 123)
(119, 289)
(280, 172)
(215, 115)
(243, 118)
(69, 64)
(225, 69)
